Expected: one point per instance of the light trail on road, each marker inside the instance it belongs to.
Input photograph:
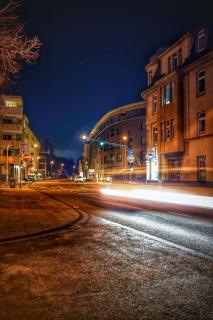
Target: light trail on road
(163, 196)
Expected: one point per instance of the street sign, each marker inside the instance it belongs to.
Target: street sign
(130, 152)
(150, 155)
(23, 148)
(131, 158)
(27, 157)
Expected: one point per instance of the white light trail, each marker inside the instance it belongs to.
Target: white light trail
(163, 196)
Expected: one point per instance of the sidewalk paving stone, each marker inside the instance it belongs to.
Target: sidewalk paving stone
(26, 211)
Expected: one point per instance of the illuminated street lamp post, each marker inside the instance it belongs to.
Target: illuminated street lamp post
(125, 153)
(51, 164)
(34, 156)
(62, 166)
(7, 168)
(45, 165)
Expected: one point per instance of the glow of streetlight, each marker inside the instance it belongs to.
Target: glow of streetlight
(35, 145)
(52, 162)
(124, 138)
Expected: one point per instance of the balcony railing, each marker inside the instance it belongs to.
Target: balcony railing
(14, 144)
(7, 111)
(11, 159)
(11, 127)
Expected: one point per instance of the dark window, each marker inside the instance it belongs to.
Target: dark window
(150, 78)
(201, 122)
(119, 157)
(143, 140)
(162, 102)
(143, 157)
(201, 85)
(162, 132)
(167, 130)
(201, 163)
(118, 131)
(154, 103)
(201, 40)
(7, 137)
(169, 64)
(112, 132)
(180, 57)
(5, 152)
(175, 61)
(172, 91)
(172, 129)
(174, 172)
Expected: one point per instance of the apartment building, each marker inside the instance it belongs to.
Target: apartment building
(118, 144)
(179, 102)
(19, 147)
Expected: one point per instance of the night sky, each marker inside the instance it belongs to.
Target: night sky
(92, 59)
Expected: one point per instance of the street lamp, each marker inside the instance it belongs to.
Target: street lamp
(62, 165)
(124, 138)
(34, 156)
(45, 165)
(51, 164)
(7, 175)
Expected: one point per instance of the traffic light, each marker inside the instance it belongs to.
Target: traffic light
(101, 144)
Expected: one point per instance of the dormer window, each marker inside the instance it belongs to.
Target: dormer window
(169, 64)
(150, 77)
(180, 57)
(201, 40)
(175, 61)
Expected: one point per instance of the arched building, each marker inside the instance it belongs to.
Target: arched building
(116, 135)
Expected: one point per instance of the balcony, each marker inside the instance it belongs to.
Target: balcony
(11, 127)
(11, 111)
(12, 143)
(11, 160)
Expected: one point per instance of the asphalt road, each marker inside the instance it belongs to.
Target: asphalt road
(126, 260)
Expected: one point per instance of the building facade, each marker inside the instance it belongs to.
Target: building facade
(179, 102)
(117, 146)
(19, 147)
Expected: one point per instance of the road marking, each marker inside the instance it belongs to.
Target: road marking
(169, 243)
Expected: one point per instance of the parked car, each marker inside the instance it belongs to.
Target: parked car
(32, 177)
(78, 179)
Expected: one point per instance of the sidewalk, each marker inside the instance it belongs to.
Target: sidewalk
(25, 211)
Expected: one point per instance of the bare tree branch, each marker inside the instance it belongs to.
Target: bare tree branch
(15, 48)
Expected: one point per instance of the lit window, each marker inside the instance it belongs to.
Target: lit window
(201, 40)
(201, 85)
(154, 103)
(155, 135)
(167, 94)
(201, 123)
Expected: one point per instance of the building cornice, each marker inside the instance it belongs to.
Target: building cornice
(113, 112)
